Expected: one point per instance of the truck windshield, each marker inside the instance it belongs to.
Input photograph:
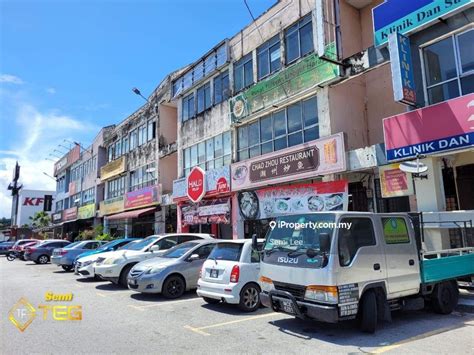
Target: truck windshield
(298, 232)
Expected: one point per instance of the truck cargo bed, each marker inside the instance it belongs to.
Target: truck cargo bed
(447, 264)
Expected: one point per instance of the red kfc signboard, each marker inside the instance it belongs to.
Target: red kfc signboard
(196, 184)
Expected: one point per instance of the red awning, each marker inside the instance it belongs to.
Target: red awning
(131, 214)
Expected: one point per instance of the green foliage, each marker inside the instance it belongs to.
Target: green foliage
(86, 234)
(40, 219)
(104, 236)
(96, 233)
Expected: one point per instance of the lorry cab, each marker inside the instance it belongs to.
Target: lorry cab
(330, 266)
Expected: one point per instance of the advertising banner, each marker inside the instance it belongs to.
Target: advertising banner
(394, 182)
(305, 74)
(113, 168)
(217, 182)
(392, 16)
(144, 197)
(70, 214)
(292, 199)
(321, 156)
(403, 81)
(442, 127)
(111, 206)
(57, 217)
(87, 211)
(206, 212)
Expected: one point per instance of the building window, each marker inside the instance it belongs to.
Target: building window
(204, 97)
(299, 39)
(243, 73)
(88, 196)
(188, 107)
(116, 187)
(151, 130)
(268, 57)
(221, 87)
(143, 177)
(449, 67)
(125, 145)
(75, 200)
(142, 135)
(118, 149)
(133, 139)
(213, 153)
(291, 126)
(59, 206)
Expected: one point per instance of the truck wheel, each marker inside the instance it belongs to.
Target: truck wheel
(445, 297)
(368, 313)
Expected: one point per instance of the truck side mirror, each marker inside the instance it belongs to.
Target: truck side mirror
(324, 242)
(254, 241)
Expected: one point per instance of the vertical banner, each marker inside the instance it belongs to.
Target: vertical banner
(402, 69)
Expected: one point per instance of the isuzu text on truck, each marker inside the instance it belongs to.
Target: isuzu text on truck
(338, 266)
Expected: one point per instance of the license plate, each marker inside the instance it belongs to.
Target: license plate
(287, 306)
(214, 273)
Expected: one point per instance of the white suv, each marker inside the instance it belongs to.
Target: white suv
(116, 265)
(230, 275)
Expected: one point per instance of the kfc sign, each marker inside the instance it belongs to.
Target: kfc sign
(195, 181)
(33, 201)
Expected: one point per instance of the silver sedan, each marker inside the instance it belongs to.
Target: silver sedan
(172, 273)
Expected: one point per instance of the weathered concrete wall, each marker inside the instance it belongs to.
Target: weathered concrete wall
(168, 119)
(168, 172)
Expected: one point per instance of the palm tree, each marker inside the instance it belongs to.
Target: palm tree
(40, 219)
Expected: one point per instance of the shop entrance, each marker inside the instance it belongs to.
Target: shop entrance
(465, 185)
(258, 227)
(392, 204)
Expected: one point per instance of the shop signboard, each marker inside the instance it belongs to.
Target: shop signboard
(206, 212)
(303, 75)
(57, 217)
(195, 184)
(112, 205)
(319, 157)
(403, 81)
(70, 214)
(442, 127)
(86, 212)
(113, 168)
(217, 182)
(293, 199)
(391, 16)
(70, 158)
(394, 182)
(147, 196)
(72, 188)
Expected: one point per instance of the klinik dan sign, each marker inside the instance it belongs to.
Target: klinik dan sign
(196, 184)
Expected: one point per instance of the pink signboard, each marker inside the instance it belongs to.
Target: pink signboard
(442, 127)
(319, 157)
(143, 197)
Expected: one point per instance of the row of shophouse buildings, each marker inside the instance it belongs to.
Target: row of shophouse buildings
(308, 108)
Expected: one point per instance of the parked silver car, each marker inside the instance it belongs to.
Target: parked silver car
(172, 273)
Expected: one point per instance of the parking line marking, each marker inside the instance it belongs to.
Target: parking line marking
(412, 339)
(100, 294)
(199, 330)
(142, 308)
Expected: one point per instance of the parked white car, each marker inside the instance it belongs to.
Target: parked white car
(116, 265)
(230, 274)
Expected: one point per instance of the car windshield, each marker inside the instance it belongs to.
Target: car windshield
(140, 244)
(298, 232)
(73, 245)
(226, 251)
(179, 250)
(107, 245)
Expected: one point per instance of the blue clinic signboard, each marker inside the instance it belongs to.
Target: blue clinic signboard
(402, 69)
(405, 16)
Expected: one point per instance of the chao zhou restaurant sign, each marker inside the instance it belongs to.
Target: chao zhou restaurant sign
(113, 168)
(144, 197)
(318, 157)
(112, 205)
(298, 77)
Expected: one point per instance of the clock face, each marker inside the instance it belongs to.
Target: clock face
(239, 107)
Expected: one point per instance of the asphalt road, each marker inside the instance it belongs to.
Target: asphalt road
(119, 321)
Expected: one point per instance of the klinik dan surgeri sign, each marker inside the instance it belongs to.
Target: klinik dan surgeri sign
(196, 184)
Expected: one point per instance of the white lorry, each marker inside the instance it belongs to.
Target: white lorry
(337, 266)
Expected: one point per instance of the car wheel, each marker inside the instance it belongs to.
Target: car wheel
(249, 298)
(445, 297)
(173, 287)
(368, 313)
(123, 275)
(211, 300)
(43, 259)
(66, 267)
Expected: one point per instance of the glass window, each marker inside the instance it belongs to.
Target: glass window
(466, 51)
(221, 87)
(266, 128)
(254, 133)
(243, 73)
(294, 118)
(268, 57)
(440, 62)
(243, 137)
(310, 112)
(210, 149)
(199, 71)
(299, 39)
(279, 123)
(204, 97)
(194, 156)
(188, 107)
(133, 139)
(361, 234)
(202, 152)
(151, 130)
